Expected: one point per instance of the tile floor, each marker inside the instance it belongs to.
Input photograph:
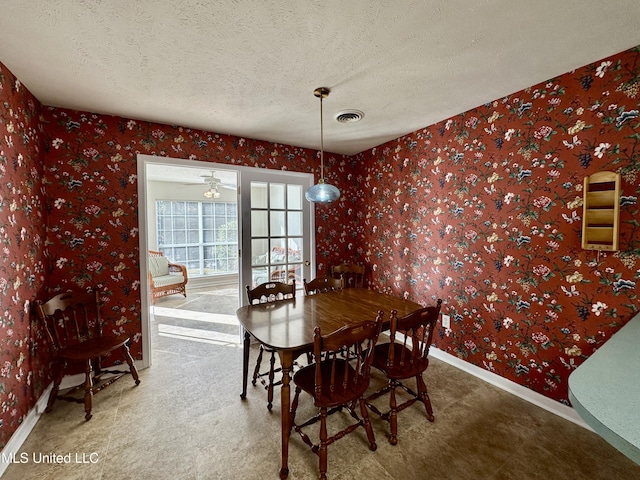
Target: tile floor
(187, 421)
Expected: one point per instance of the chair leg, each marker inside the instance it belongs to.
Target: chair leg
(132, 366)
(97, 366)
(271, 378)
(57, 380)
(424, 397)
(322, 453)
(393, 414)
(367, 426)
(88, 391)
(294, 407)
(256, 371)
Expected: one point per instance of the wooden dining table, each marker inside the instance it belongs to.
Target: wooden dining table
(287, 326)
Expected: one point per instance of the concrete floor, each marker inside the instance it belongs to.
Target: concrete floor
(186, 421)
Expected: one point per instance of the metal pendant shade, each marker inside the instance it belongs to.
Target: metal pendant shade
(322, 192)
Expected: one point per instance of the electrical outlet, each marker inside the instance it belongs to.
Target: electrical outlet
(446, 321)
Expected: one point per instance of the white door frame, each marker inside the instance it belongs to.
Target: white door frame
(142, 161)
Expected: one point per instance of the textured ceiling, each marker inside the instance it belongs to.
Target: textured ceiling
(249, 67)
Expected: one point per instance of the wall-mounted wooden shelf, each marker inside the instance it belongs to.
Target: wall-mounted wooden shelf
(601, 211)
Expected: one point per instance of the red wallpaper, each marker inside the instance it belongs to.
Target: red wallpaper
(92, 199)
(23, 349)
(484, 211)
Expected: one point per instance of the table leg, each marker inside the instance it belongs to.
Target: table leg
(246, 345)
(286, 361)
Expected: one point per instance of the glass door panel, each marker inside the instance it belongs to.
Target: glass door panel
(278, 236)
(294, 197)
(259, 195)
(276, 195)
(294, 223)
(260, 251)
(259, 223)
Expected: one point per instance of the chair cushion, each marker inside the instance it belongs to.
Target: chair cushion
(164, 280)
(158, 266)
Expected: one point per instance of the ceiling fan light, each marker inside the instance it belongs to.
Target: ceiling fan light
(212, 193)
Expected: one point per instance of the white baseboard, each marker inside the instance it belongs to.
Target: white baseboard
(557, 408)
(12, 448)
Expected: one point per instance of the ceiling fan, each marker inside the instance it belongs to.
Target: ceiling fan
(214, 183)
(212, 179)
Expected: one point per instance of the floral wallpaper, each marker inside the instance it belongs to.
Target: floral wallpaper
(23, 360)
(92, 198)
(484, 211)
(68, 219)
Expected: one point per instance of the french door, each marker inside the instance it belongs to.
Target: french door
(277, 228)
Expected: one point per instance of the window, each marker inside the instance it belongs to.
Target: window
(203, 236)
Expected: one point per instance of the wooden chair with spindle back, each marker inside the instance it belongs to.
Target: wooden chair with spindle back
(352, 275)
(265, 293)
(405, 357)
(73, 327)
(322, 283)
(338, 379)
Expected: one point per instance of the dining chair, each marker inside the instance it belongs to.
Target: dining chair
(352, 275)
(265, 293)
(74, 331)
(337, 382)
(322, 283)
(405, 357)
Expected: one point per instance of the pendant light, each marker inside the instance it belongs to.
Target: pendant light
(322, 192)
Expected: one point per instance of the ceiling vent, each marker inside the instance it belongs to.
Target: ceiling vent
(350, 116)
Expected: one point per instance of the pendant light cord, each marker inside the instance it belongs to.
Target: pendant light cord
(321, 144)
(322, 192)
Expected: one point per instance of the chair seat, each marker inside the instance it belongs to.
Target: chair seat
(165, 280)
(93, 347)
(305, 379)
(398, 371)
